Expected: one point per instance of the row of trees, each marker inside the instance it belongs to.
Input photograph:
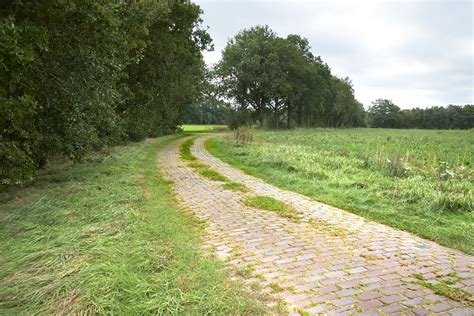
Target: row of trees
(78, 75)
(381, 114)
(385, 114)
(208, 110)
(278, 81)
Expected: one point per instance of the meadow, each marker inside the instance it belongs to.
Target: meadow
(105, 237)
(420, 181)
(196, 128)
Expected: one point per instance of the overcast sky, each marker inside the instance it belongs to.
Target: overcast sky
(415, 53)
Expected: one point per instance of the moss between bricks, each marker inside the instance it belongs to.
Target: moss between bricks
(442, 287)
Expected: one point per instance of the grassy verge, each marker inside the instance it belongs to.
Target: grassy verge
(270, 204)
(104, 237)
(418, 181)
(206, 171)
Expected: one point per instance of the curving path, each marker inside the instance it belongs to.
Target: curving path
(332, 261)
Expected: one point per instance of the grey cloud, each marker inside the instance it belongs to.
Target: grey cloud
(417, 53)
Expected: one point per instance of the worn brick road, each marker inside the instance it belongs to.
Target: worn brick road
(332, 261)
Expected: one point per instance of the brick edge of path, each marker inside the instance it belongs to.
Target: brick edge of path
(331, 262)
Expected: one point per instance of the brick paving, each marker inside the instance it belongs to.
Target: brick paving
(331, 261)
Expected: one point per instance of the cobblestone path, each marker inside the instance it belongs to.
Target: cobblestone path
(332, 261)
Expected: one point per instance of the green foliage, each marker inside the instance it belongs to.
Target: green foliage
(383, 113)
(104, 237)
(273, 79)
(415, 180)
(171, 72)
(208, 111)
(78, 76)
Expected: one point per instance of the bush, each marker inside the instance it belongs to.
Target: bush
(78, 76)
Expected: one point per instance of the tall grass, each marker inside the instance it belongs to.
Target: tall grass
(243, 135)
(417, 180)
(105, 237)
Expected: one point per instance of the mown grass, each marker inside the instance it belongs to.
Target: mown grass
(203, 128)
(206, 171)
(271, 204)
(415, 180)
(105, 237)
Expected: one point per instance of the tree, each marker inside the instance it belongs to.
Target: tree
(208, 110)
(451, 117)
(279, 78)
(170, 76)
(384, 113)
(76, 76)
(248, 69)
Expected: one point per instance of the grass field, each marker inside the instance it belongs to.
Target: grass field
(203, 128)
(415, 180)
(104, 237)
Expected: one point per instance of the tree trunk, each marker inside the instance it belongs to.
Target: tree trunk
(260, 116)
(288, 117)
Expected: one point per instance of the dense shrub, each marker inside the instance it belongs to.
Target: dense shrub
(79, 75)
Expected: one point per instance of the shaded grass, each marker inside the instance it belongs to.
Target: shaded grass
(344, 168)
(271, 204)
(104, 237)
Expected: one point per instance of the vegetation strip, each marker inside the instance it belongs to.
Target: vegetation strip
(442, 287)
(104, 237)
(271, 204)
(415, 180)
(235, 186)
(185, 149)
(205, 170)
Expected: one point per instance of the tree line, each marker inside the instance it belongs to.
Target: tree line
(278, 82)
(76, 76)
(269, 81)
(382, 113)
(385, 114)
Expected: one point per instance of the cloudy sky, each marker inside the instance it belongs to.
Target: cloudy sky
(415, 53)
